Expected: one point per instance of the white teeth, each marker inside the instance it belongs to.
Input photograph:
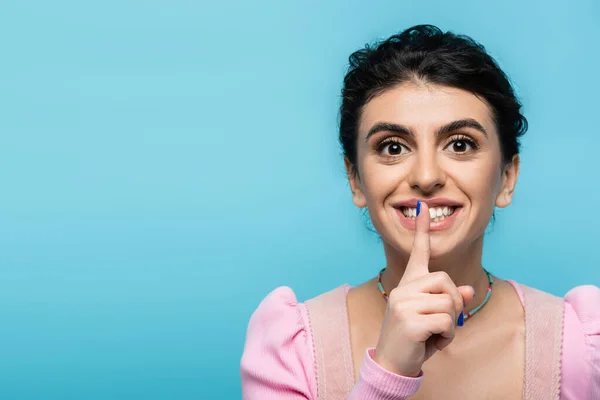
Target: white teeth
(432, 213)
(409, 212)
(436, 214)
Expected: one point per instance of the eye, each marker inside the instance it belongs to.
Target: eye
(391, 148)
(461, 144)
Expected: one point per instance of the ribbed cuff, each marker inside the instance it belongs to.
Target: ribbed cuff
(377, 383)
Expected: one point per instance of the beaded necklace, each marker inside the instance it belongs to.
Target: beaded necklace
(467, 315)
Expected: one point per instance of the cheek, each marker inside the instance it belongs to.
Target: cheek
(482, 185)
(379, 181)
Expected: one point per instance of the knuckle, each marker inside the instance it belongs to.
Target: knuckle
(448, 323)
(395, 296)
(420, 247)
(448, 302)
(425, 250)
(413, 330)
(398, 311)
(442, 276)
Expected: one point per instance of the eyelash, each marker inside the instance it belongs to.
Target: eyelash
(458, 138)
(466, 139)
(381, 146)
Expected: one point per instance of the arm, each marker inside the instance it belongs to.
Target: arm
(278, 360)
(581, 344)
(376, 383)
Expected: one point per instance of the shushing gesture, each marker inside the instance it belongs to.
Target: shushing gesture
(422, 311)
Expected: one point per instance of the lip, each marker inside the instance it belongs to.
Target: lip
(433, 202)
(410, 223)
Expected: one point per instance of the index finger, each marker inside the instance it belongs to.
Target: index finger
(418, 264)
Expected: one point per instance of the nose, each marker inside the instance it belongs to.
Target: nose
(426, 174)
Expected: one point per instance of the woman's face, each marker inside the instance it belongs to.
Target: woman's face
(435, 144)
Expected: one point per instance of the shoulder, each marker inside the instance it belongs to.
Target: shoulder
(582, 318)
(580, 361)
(278, 318)
(582, 311)
(585, 302)
(278, 355)
(581, 341)
(280, 305)
(581, 305)
(281, 311)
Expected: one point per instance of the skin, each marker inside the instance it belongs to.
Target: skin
(428, 271)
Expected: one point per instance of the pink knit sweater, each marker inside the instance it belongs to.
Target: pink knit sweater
(278, 360)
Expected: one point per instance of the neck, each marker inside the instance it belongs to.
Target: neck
(463, 266)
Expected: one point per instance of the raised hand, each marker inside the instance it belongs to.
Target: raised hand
(422, 311)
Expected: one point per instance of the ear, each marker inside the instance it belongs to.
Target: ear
(358, 196)
(509, 181)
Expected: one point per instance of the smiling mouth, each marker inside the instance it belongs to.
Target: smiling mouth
(435, 213)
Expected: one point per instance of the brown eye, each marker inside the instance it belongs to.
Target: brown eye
(394, 148)
(461, 145)
(391, 148)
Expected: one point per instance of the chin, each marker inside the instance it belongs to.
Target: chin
(441, 246)
(441, 253)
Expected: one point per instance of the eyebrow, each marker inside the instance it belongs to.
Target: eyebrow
(450, 127)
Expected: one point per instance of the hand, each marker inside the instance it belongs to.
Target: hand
(422, 311)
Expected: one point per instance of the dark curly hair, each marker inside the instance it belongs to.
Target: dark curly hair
(425, 53)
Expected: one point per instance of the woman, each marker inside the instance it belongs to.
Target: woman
(430, 129)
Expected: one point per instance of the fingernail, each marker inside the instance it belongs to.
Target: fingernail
(418, 207)
(461, 319)
(474, 291)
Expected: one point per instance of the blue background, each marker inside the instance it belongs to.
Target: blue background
(164, 165)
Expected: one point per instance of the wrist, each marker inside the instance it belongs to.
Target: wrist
(401, 370)
(375, 382)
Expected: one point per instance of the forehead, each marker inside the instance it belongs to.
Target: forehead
(423, 107)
